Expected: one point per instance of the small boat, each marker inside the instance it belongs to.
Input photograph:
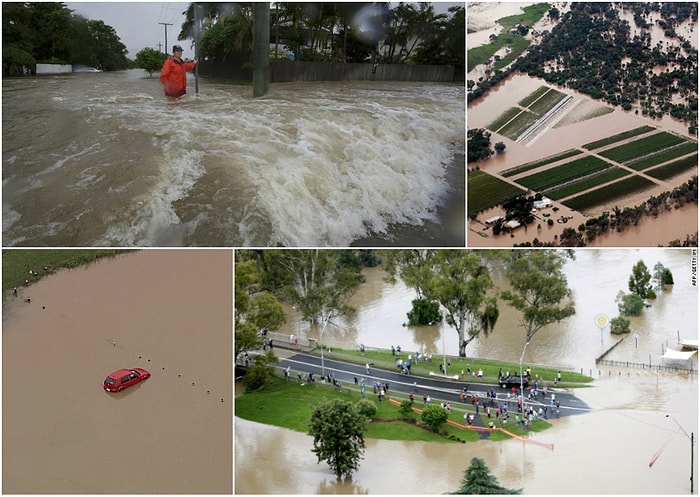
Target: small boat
(688, 344)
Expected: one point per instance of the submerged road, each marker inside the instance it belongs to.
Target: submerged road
(438, 388)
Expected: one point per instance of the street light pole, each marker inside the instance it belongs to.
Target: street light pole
(521, 376)
(692, 443)
(323, 369)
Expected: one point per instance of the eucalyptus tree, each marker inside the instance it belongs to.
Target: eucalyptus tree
(539, 288)
(254, 308)
(317, 281)
(459, 280)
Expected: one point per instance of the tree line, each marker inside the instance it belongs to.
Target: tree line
(320, 282)
(332, 32)
(49, 32)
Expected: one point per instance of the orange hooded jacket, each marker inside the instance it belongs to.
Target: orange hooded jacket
(174, 77)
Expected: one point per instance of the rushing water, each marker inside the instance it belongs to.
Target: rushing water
(606, 451)
(104, 159)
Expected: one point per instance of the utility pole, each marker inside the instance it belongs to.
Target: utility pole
(165, 26)
(261, 48)
(160, 47)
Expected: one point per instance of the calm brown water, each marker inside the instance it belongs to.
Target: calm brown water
(606, 451)
(103, 159)
(595, 277)
(168, 312)
(603, 452)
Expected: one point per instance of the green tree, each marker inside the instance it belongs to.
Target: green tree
(619, 325)
(434, 417)
(316, 281)
(367, 408)
(639, 281)
(254, 308)
(337, 428)
(260, 371)
(540, 290)
(424, 312)
(459, 280)
(150, 60)
(478, 480)
(629, 304)
(662, 276)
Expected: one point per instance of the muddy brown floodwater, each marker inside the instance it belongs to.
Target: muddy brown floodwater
(605, 451)
(166, 311)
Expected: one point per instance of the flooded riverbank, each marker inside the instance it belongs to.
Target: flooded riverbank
(595, 277)
(615, 443)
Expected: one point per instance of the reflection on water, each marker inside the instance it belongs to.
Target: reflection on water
(603, 452)
(596, 276)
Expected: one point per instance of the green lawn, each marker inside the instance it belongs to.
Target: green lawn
(486, 191)
(289, 405)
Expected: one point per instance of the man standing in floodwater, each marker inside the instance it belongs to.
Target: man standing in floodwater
(173, 76)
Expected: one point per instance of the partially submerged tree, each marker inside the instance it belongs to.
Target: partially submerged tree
(150, 60)
(639, 281)
(479, 480)
(459, 280)
(629, 304)
(338, 427)
(540, 290)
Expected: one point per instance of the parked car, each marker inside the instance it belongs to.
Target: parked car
(124, 378)
(513, 381)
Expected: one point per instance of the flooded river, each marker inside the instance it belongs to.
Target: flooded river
(595, 276)
(103, 159)
(606, 451)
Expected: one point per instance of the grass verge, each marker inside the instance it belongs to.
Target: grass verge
(17, 263)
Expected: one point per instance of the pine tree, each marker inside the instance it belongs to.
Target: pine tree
(479, 480)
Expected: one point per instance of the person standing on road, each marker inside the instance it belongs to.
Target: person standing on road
(367, 367)
(173, 75)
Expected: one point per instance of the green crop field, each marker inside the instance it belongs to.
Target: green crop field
(607, 193)
(561, 174)
(619, 137)
(644, 146)
(504, 118)
(527, 101)
(589, 182)
(544, 104)
(486, 191)
(674, 168)
(518, 125)
(543, 162)
(663, 156)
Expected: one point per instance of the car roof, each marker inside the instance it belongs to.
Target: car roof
(119, 373)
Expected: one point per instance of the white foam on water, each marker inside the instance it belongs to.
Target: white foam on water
(319, 164)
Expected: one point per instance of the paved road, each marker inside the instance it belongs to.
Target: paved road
(439, 389)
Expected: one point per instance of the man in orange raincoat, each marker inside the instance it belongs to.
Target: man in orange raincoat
(173, 75)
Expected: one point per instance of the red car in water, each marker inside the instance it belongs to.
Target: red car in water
(124, 378)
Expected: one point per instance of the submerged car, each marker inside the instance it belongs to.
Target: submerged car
(513, 381)
(125, 378)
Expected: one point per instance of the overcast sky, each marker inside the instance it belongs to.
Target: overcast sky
(137, 23)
